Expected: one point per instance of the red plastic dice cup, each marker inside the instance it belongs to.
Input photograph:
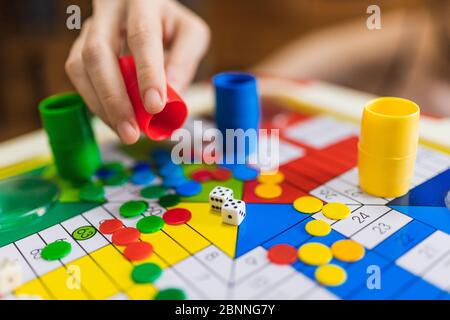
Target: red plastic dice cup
(159, 126)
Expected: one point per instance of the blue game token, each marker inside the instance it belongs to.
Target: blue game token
(245, 173)
(189, 189)
(104, 173)
(171, 170)
(229, 166)
(161, 156)
(174, 181)
(143, 177)
(141, 166)
(163, 161)
(156, 153)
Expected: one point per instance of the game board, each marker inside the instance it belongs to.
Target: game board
(407, 238)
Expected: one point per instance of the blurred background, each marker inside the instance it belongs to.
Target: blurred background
(261, 35)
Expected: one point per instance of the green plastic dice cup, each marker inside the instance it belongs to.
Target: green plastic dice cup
(70, 135)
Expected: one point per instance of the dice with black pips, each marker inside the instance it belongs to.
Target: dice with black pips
(233, 211)
(218, 196)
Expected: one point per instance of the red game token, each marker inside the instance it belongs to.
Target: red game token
(177, 216)
(201, 175)
(221, 174)
(110, 226)
(138, 251)
(282, 254)
(125, 236)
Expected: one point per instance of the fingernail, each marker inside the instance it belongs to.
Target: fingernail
(153, 101)
(127, 132)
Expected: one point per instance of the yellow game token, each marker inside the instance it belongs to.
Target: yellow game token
(307, 204)
(347, 250)
(336, 211)
(268, 190)
(274, 178)
(318, 228)
(330, 275)
(314, 253)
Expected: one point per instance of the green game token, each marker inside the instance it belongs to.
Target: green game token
(153, 192)
(118, 179)
(171, 294)
(133, 208)
(169, 200)
(113, 166)
(84, 233)
(150, 224)
(92, 193)
(56, 250)
(146, 273)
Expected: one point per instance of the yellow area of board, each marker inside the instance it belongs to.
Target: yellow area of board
(92, 278)
(187, 237)
(142, 292)
(33, 288)
(115, 265)
(210, 225)
(166, 247)
(59, 283)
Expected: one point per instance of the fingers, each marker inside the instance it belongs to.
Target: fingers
(79, 77)
(100, 59)
(191, 36)
(145, 40)
(93, 67)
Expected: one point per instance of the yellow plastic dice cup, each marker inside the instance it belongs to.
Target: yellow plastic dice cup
(388, 145)
(385, 177)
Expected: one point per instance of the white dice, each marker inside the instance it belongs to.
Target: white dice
(10, 276)
(233, 211)
(218, 196)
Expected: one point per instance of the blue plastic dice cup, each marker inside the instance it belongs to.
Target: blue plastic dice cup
(237, 107)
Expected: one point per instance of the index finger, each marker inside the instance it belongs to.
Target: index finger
(100, 56)
(145, 40)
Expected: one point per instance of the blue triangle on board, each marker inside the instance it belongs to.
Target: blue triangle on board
(438, 217)
(263, 222)
(431, 193)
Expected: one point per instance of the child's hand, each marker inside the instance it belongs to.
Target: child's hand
(166, 40)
